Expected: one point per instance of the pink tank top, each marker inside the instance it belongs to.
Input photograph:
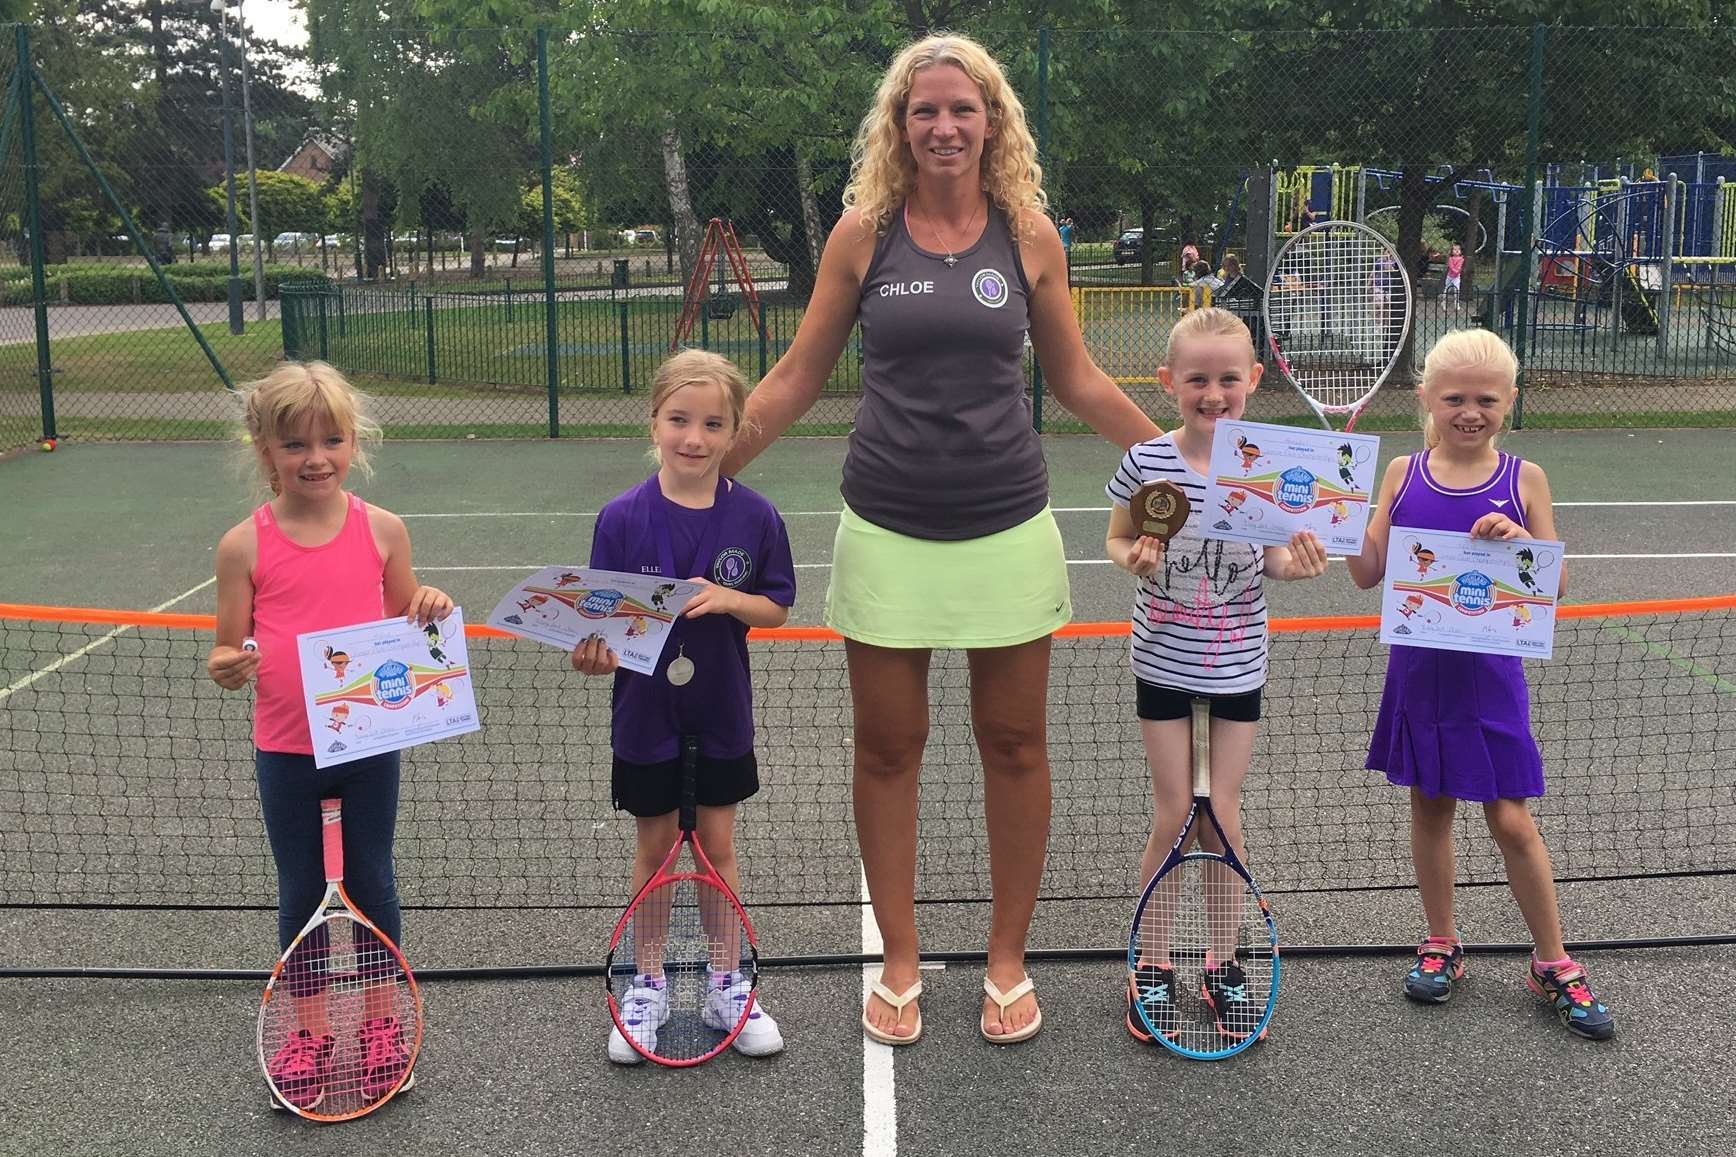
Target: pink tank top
(297, 589)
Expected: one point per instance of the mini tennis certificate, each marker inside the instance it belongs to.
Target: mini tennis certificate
(1269, 482)
(563, 606)
(1453, 592)
(385, 686)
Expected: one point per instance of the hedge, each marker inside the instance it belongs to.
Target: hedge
(130, 284)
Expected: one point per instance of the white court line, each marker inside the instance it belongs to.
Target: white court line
(879, 1099)
(89, 647)
(536, 566)
(1056, 510)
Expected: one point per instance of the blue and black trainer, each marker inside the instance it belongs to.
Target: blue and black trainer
(1225, 991)
(1440, 964)
(1152, 989)
(1568, 989)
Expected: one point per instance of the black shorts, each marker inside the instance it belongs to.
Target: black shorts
(654, 789)
(1167, 703)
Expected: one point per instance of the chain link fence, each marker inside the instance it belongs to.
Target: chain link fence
(491, 230)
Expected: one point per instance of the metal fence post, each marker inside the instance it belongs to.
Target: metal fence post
(624, 279)
(325, 345)
(1528, 229)
(1671, 215)
(33, 217)
(552, 350)
(428, 311)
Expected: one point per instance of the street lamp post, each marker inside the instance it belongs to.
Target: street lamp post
(252, 172)
(236, 324)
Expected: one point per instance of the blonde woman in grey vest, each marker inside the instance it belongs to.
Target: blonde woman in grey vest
(945, 256)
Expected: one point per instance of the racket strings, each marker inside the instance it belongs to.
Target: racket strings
(1203, 915)
(681, 954)
(1339, 312)
(339, 1029)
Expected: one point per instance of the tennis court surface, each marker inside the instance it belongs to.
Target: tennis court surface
(130, 839)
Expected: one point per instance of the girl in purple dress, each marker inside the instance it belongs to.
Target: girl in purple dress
(688, 522)
(1457, 726)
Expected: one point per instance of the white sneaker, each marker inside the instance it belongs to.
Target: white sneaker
(644, 1010)
(759, 1037)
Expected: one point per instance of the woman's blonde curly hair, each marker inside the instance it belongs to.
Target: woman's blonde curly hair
(882, 171)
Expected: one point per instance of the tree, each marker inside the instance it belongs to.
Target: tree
(287, 203)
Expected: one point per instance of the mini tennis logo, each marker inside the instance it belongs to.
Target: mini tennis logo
(1473, 593)
(732, 567)
(599, 604)
(1296, 490)
(392, 688)
(989, 288)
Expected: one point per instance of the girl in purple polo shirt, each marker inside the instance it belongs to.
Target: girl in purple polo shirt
(1457, 725)
(687, 521)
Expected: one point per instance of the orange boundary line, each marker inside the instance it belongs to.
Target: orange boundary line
(94, 616)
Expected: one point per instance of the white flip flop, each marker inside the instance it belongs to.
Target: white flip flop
(897, 1002)
(1005, 1000)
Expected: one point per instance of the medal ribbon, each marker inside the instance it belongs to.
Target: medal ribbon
(666, 546)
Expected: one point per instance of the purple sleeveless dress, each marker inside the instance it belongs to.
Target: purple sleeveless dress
(1454, 723)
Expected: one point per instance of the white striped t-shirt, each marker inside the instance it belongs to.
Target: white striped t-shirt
(1199, 623)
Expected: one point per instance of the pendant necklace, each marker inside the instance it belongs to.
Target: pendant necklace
(951, 259)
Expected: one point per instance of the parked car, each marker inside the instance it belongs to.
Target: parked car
(1130, 246)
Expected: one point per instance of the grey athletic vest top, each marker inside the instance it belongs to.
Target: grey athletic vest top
(943, 446)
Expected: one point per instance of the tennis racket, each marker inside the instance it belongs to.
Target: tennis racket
(341, 1023)
(683, 965)
(1337, 310)
(1203, 907)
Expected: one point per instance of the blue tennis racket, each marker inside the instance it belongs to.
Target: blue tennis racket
(1203, 954)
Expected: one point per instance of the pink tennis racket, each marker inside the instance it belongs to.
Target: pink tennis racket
(683, 930)
(341, 1022)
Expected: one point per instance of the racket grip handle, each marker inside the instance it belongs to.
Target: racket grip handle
(332, 838)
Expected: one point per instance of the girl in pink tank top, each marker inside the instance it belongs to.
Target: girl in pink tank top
(312, 558)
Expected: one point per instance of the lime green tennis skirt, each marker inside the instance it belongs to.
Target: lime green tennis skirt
(1001, 590)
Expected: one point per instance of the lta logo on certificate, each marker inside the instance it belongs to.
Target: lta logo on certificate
(1453, 592)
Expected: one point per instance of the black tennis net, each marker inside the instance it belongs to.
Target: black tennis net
(126, 775)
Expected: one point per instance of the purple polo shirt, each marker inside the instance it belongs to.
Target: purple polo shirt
(752, 554)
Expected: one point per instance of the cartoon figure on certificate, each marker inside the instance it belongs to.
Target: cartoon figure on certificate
(637, 626)
(340, 715)
(1249, 451)
(531, 605)
(435, 638)
(338, 661)
(1521, 616)
(565, 579)
(660, 596)
(442, 694)
(1422, 556)
(1348, 458)
(1339, 512)
(1412, 608)
(1529, 564)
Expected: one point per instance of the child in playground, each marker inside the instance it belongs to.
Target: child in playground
(1455, 271)
(1437, 736)
(688, 521)
(315, 557)
(1199, 631)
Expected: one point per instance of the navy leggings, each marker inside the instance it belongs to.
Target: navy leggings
(290, 788)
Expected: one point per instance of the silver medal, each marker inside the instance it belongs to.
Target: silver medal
(680, 670)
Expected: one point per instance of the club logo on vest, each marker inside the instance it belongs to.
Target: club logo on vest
(732, 567)
(989, 288)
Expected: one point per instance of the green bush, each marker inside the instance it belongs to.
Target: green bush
(114, 284)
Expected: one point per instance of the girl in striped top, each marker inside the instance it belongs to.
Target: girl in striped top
(1199, 622)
